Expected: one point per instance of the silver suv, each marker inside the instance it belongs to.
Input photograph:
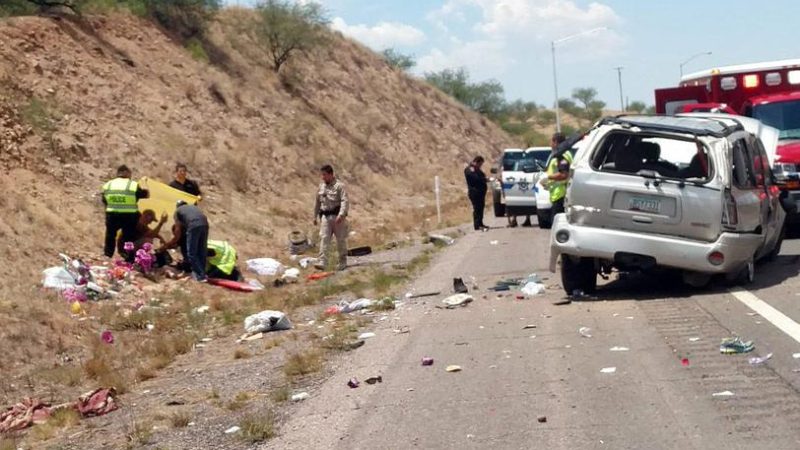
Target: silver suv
(694, 193)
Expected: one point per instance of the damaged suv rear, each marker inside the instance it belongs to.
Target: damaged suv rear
(690, 193)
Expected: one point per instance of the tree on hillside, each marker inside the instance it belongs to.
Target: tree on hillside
(592, 108)
(568, 106)
(187, 18)
(636, 106)
(398, 60)
(286, 27)
(485, 97)
(520, 110)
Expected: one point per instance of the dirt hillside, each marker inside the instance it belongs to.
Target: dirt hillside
(78, 99)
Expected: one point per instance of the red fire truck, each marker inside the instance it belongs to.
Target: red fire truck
(767, 91)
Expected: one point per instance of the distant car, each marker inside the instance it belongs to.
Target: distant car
(690, 193)
(514, 191)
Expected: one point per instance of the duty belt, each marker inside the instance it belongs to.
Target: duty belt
(333, 212)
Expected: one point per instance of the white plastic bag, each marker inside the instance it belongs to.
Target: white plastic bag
(267, 321)
(362, 303)
(457, 300)
(265, 266)
(533, 289)
(57, 278)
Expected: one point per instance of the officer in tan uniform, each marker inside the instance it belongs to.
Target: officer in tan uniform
(331, 209)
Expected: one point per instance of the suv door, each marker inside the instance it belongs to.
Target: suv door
(772, 212)
(748, 213)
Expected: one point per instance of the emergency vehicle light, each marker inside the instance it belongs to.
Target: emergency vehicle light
(729, 83)
(773, 78)
(750, 81)
(794, 76)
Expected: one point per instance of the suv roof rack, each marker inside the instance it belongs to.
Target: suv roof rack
(698, 126)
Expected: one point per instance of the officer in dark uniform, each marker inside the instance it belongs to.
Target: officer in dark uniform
(476, 188)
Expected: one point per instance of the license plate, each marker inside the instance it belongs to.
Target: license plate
(645, 205)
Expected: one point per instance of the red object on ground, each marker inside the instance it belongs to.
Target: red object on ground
(685, 361)
(319, 276)
(232, 285)
(97, 402)
(32, 411)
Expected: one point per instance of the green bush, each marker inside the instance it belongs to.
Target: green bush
(16, 8)
(398, 60)
(186, 18)
(196, 49)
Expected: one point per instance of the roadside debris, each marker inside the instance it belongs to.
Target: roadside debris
(319, 276)
(267, 321)
(542, 419)
(427, 361)
(366, 335)
(459, 287)
(344, 307)
(424, 294)
(529, 326)
(457, 300)
(353, 383)
(298, 242)
(533, 288)
(796, 355)
(233, 429)
(305, 263)
(563, 301)
(107, 337)
(608, 370)
(494, 242)
(402, 330)
(373, 380)
(694, 339)
(453, 368)
(441, 239)
(685, 362)
(723, 394)
(735, 345)
(619, 349)
(359, 251)
(756, 360)
(585, 332)
(32, 411)
(265, 266)
(300, 396)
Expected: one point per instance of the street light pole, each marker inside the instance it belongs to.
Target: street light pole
(619, 76)
(555, 78)
(688, 60)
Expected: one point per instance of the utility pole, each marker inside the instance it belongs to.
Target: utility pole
(619, 77)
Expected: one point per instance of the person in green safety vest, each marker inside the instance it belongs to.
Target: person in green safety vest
(557, 174)
(222, 261)
(120, 197)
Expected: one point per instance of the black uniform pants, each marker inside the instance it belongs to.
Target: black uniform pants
(478, 205)
(119, 221)
(558, 208)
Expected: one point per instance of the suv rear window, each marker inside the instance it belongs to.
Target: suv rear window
(669, 157)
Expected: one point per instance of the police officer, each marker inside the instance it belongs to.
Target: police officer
(331, 208)
(476, 190)
(557, 173)
(120, 197)
(222, 261)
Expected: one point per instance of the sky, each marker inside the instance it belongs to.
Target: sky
(510, 40)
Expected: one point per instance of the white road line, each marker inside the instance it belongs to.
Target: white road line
(777, 318)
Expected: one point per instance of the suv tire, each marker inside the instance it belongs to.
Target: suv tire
(497, 201)
(773, 254)
(578, 274)
(543, 217)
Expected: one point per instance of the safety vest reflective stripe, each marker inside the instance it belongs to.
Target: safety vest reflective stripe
(120, 195)
(224, 258)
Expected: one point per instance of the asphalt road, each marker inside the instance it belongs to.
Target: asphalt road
(512, 376)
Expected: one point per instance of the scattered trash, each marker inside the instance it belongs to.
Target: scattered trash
(373, 380)
(694, 339)
(533, 288)
(402, 330)
(32, 411)
(756, 360)
(735, 345)
(722, 394)
(252, 337)
(298, 242)
(608, 370)
(267, 321)
(453, 368)
(319, 276)
(410, 389)
(427, 361)
(520, 297)
(493, 242)
(344, 307)
(233, 429)
(685, 362)
(256, 285)
(366, 335)
(563, 301)
(619, 349)
(353, 383)
(457, 300)
(305, 263)
(459, 287)
(528, 327)
(300, 397)
(585, 332)
(75, 308)
(107, 337)
(291, 275)
(796, 355)
(542, 419)
(58, 278)
(265, 266)
(202, 309)
(359, 251)
(441, 239)
(500, 287)
(355, 344)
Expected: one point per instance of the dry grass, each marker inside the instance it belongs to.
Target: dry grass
(303, 363)
(139, 433)
(241, 353)
(66, 375)
(180, 419)
(59, 420)
(281, 394)
(258, 427)
(238, 402)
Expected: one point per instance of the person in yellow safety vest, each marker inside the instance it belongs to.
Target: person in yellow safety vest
(222, 261)
(557, 174)
(120, 197)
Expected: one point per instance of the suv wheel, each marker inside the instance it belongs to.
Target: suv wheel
(543, 216)
(743, 276)
(772, 255)
(497, 201)
(578, 274)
